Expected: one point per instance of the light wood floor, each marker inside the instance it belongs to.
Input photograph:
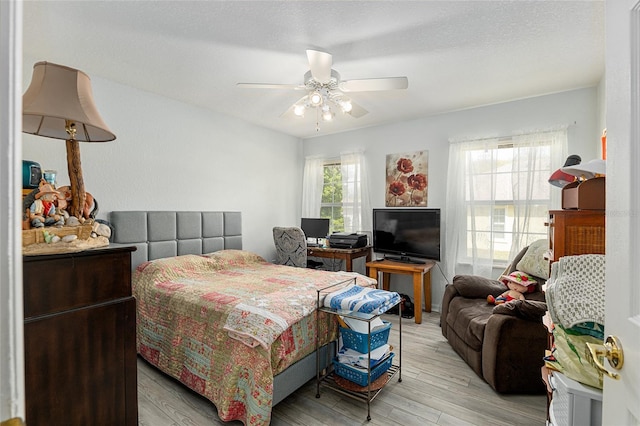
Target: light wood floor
(437, 388)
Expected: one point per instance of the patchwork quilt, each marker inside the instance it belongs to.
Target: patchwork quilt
(226, 323)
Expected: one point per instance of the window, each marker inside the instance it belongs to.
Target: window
(501, 190)
(331, 205)
(498, 196)
(499, 214)
(337, 189)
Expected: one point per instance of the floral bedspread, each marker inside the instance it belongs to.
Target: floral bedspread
(189, 305)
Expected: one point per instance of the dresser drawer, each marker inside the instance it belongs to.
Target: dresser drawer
(57, 283)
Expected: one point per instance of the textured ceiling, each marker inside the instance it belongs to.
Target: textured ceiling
(456, 54)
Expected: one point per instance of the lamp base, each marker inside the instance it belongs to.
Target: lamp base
(34, 240)
(76, 181)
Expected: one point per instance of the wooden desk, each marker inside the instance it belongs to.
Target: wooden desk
(421, 280)
(343, 254)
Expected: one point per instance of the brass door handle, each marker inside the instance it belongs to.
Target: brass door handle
(612, 350)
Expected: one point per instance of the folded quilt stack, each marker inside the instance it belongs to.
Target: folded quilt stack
(575, 300)
(362, 299)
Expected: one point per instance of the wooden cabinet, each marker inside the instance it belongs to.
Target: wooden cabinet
(574, 232)
(79, 336)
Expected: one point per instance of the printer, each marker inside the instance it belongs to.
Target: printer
(346, 240)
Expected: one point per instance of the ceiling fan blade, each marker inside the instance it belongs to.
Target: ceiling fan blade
(357, 111)
(374, 84)
(270, 86)
(289, 112)
(320, 64)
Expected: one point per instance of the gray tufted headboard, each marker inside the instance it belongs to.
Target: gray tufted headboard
(158, 234)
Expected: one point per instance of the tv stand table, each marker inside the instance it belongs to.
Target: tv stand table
(421, 273)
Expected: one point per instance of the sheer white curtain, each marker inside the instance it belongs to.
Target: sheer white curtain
(536, 156)
(508, 173)
(356, 207)
(312, 182)
(456, 211)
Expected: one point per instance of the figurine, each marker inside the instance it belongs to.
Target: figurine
(43, 211)
(90, 209)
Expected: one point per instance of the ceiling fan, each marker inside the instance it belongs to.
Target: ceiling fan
(325, 92)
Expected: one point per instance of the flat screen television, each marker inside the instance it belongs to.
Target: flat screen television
(402, 234)
(315, 227)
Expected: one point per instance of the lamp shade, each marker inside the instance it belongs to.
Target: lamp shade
(587, 170)
(58, 94)
(561, 179)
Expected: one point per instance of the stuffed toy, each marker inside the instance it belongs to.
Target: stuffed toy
(517, 284)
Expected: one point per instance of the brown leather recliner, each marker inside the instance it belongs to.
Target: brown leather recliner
(503, 344)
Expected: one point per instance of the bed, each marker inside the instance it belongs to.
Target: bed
(234, 328)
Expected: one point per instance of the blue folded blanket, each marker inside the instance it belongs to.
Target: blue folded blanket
(362, 299)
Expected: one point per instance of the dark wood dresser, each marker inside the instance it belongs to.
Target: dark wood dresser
(80, 341)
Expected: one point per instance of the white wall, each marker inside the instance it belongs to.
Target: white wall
(578, 108)
(173, 156)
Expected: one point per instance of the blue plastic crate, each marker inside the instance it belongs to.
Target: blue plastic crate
(358, 341)
(359, 376)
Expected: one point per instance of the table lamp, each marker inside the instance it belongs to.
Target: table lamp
(59, 104)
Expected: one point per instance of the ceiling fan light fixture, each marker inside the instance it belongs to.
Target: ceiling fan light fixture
(324, 90)
(315, 98)
(299, 110)
(346, 106)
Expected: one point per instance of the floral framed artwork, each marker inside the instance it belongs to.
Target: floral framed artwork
(407, 179)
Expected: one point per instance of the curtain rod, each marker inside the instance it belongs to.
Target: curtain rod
(508, 138)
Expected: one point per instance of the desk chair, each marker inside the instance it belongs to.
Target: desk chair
(291, 246)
